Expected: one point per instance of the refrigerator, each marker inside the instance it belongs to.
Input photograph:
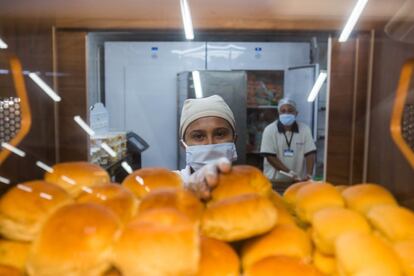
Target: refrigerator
(232, 87)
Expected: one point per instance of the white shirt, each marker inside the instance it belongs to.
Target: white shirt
(275, 143)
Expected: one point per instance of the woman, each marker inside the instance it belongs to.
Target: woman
(207, 132)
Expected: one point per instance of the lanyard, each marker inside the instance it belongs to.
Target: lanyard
(288, 142)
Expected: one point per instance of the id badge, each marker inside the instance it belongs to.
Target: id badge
(288, 153)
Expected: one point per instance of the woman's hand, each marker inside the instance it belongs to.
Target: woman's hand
(203, 181)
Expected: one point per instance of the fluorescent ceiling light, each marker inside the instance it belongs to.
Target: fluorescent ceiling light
(83, 125)
(317, 86)
(188, 24)
(46, 88)
(108, 149)
(197, 84)
(44, 166)
(4, 180)
(3, 44)
(126, 167)
(352, 20)
(15, 150)
(24, 188)
(46, 196)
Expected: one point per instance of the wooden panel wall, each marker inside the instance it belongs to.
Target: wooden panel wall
(31, 41)
(347, 109)
(71, 63)
(387, 165)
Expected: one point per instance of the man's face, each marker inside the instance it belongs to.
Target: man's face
(287, 109)
(208, 130)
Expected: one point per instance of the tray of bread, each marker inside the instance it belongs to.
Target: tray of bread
(76, 222)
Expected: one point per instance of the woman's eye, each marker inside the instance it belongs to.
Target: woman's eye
(197, 136)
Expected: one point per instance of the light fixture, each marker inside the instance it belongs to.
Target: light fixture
(352, 20)
(44, 166)
(46, 88)
(108, 149)
(4, 180)
(187, 22)
(15, 150)
(317, 86)
(3, 44)
(46, 196)
(126, 167)
(197, 84)
(84, 126)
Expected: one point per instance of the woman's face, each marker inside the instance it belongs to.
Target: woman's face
(208, 130)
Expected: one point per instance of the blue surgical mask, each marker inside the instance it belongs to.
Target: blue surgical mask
(199, 155)
(287, 119)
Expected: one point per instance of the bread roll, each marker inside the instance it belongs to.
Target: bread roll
(324, 263)
(291, 192)
(239, 217)
(120, 200)
(405, 252)
(242, 179)
(394, 222)
(24, 208)
(6, 270)
(329, 223)
(284, 240)
(364, 254)
(158, 242)
(314, 197)
(364, 196)
(281, 265)
(75, 240)
(142, 181)
(77, 176)
(14, 253)
(284, 216)
(179, 199)
(218, 259)
(341, 188)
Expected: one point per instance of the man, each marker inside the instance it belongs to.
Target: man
(288, 148)
(207, 132)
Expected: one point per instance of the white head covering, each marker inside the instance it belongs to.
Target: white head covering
(286, 101)
(214, 106)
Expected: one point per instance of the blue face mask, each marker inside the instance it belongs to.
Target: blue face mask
(200, 155)
(287, 119)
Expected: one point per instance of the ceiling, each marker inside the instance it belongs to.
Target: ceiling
(236, 11)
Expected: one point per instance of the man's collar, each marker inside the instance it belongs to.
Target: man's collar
(281, 127)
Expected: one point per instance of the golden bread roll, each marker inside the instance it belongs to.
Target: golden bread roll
(314, 197)
(77, 176)
(217, 259)
(324, 263)
(394, 222)
(242, 179)
(75, 240)
(158, 242)
(291, 192)
(25, 207)
(362, 197)
(281, 265)
(239, 217)
(405, 252)
(14, 253)
(284, 240)
(142, 181)
(117, 198)
(6, 270)
(284, 216)
(341, 188)
(176, 198)
(364, 254)
(329, 223)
